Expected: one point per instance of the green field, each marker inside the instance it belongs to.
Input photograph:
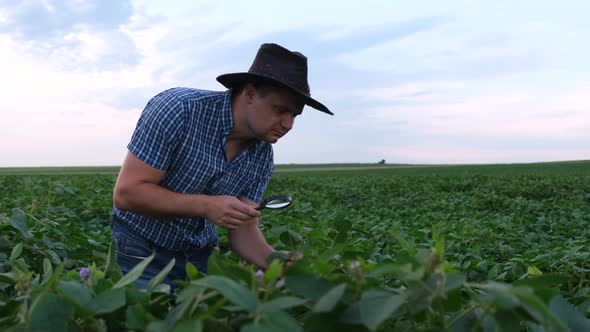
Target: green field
(59, 170)
(402, 248)
(115, 169)
(570, 167)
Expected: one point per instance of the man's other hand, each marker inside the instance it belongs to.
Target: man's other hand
(229, 212)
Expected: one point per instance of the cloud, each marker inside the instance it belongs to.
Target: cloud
(412, 92)
(370, 32)
(29, 75)
(446, 52)
(57, 18)
(403, 77)
(72, 35)
(64, 134)
(61, 117)
(3, 16)
(469, 45)
(515, 113)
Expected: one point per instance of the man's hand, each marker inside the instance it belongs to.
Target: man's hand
(229, 212)
(286, 257)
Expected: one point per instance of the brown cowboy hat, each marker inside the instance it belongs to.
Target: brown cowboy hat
(280, 66)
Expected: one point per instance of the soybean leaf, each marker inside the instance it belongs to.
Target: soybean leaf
(273, 322)
(155, 281)
(54, 257)
(454, 281)
(309, 287)
(47, 271)
(111, 259)
(7, 277)
(188, 293)
(16, 251)
(545, 286)
(377, 306)
(135, 273)
(193, 325)
(250, 327)
(49, 313)
(19, 221)
(191, 271)
(234, 292)
(273, 271)
(20, 264)
(5, 242)
(329, 300)
(290, 238)
(108, 301)
(352, 314)
(281, 303)
(506, 320)
(135, 317)
(156, 326)
(536, 308)
(568, 314)
(76, 293)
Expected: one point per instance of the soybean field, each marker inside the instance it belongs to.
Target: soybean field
(389, 248)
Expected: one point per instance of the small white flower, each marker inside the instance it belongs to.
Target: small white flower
(354, 265)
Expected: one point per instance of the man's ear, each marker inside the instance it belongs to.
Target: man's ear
(249, 92)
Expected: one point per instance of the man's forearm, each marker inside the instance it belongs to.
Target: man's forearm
(249, 243)
(153, 200)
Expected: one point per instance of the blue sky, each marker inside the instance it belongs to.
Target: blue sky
(409, 82)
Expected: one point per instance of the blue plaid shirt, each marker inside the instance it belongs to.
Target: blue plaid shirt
(182, 131)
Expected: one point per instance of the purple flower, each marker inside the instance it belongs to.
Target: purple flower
(259, 277)
(84, 273)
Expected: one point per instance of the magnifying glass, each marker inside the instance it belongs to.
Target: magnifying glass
(275, 202)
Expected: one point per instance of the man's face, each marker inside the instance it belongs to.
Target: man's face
(272, 114)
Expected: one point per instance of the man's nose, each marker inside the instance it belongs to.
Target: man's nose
(287, 121)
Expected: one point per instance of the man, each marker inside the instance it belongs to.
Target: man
(202, 158)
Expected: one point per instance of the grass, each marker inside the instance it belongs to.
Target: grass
(579, 168)
(335, 165)
(59, 170)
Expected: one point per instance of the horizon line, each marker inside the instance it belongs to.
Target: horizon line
(345, 163)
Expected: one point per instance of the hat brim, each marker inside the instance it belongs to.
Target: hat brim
(234, 80)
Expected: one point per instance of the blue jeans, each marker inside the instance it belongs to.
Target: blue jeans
(130, 249)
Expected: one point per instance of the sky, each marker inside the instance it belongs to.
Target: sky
(421, 82)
